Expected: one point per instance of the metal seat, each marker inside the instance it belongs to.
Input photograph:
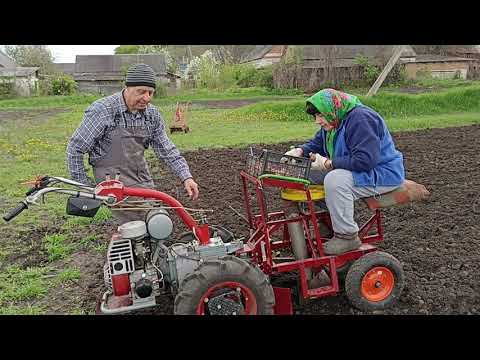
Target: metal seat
(317, 192)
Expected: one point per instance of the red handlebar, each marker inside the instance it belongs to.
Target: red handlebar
(116, 188)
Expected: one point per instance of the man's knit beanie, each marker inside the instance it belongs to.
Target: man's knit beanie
(140, 75)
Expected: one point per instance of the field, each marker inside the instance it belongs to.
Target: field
(51, 263)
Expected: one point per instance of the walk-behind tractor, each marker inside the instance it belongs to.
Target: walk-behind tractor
(211, 272)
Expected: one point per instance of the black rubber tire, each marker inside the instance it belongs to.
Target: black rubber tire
(358, 270)
(228, 268)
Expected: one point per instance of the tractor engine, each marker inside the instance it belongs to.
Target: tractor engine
(143, 261)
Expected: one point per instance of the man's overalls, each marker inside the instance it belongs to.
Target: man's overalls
(126, 156)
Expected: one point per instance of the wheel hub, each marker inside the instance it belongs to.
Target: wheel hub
(377, 284)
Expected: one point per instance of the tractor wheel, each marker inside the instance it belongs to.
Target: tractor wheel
(374, 282)
(227, 286)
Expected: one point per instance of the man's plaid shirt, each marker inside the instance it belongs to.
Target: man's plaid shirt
(99, 120)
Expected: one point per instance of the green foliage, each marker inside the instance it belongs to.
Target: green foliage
(465, 99)
(7, 88)
(160, 90)
(63, 84)
(249, 76)
(370, 71)
(170, 61)
(293, 55)
(57, 84)
(211, 74)
(127, 49)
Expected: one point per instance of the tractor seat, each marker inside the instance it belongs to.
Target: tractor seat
(316, 192)
(409, 191)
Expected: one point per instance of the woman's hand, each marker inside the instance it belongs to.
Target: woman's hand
(320, 162)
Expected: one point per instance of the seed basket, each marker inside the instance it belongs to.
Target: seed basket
(269, 162)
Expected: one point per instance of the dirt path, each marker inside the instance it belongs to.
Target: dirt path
(35, 115)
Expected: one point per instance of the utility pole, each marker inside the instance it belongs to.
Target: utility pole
(386, 70)
(189, 47)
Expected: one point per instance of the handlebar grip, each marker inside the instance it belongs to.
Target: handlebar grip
(14, 212)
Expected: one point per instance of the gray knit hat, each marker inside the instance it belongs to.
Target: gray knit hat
(140, 75)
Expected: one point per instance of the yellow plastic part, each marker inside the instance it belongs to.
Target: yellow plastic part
(316, 192)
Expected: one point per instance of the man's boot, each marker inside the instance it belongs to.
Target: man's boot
(341, 243)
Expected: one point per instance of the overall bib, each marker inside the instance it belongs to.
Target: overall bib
(126, 156)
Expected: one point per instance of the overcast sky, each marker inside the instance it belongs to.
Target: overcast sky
(67, 53)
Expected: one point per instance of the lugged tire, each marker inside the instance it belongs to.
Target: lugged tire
(358, 271)
(228, 268)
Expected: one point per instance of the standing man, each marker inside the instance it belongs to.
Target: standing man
(115, 132)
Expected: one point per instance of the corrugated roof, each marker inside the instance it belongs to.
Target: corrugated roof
(315, 52)
(98, 64)
(18, 71)
(257, 53)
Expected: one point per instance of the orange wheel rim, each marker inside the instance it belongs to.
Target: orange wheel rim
(378, 284)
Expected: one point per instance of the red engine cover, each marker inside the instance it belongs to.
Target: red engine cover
(120, 284)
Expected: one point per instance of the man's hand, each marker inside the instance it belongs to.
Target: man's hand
(319, 162)
(298, 152)
(192, 188)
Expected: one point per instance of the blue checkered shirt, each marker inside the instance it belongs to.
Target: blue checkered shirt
(99, 118)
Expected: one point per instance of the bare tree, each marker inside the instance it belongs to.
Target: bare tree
(31, 56)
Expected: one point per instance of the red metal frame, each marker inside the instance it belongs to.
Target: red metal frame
(117, 189)
(260, 244)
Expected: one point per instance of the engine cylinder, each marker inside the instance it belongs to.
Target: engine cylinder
(159, 224)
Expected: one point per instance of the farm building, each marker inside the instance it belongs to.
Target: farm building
(106, 73)
(22, 80)
(66, 68)
(443, 67)
(264, 55)
(322, 64)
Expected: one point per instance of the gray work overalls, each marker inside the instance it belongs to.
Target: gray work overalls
(126, 156)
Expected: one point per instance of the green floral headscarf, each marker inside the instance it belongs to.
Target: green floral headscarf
(334, 106)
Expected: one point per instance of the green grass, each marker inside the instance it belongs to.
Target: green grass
(29, 148)
(21, 285)
(69, 274)
(48, 101)
(56, 246)
(84, 100)
(234, 93)
(389, 105)
(22, 310)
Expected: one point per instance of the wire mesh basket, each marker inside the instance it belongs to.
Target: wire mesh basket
(269, 162)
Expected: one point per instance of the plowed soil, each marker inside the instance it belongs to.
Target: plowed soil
(437, 241)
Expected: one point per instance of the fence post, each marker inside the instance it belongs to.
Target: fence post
(386, 70)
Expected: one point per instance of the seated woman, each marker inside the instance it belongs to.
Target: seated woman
(353, 156)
